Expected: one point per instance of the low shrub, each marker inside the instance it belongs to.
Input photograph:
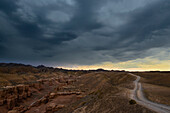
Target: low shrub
(132, 102)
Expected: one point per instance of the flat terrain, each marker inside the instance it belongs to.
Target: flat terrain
(138, 95)
(156, 86)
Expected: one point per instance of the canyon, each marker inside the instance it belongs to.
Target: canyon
(29, 89)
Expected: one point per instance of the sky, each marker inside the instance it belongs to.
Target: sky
(86, 34)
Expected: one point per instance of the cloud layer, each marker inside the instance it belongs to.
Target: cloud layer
(83, 32)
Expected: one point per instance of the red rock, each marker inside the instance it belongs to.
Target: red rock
(20, 97)
(24, 95)
(9, 89)
(50, 83)
(77, 93)
(60, 106)
(44, 100)
(24, 109)
(68, 93)
(29, 93)
(64, 93)
(1, 93)
(11, 103)
(46, 96)
(20, 88)
(51, 107)
(52, 95)
(61, 80)
(70, 81)
(15, 91)
(40, 81)
(36, 104)
(63, 84)
(26, 88)
(13, 111)
(20, 108)
(37, 86)
(80, 96)
(1, 102)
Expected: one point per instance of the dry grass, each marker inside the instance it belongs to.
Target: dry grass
(156, 93)
(156, 86)
(157, 78)
(104, 94)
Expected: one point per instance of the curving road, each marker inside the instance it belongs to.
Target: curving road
(139, 97)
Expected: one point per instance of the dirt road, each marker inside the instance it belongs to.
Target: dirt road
(138, 96)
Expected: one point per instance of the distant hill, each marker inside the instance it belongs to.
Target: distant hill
(13, 73)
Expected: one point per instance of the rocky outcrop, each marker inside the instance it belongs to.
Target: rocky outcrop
(80, 96)
(52, 107)
(62, 80)
(68, 93)
(11, 103)
(36, 103)
(13, 111)
(70, 81)
(44, 100)
(36, 85)
(11, 94)
(52, 95)
(21, 109)
(1, 102)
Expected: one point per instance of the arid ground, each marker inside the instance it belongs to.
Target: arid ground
(28, 89)
(156, 86)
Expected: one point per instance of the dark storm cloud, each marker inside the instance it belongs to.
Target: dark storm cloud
(2, 48)
(8, 6)
(148, 28)
(29, 29)
(145, 21)
(82, 31)
(85, 16)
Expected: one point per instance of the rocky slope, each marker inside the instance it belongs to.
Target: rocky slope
(22, 98)
(29, 89)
